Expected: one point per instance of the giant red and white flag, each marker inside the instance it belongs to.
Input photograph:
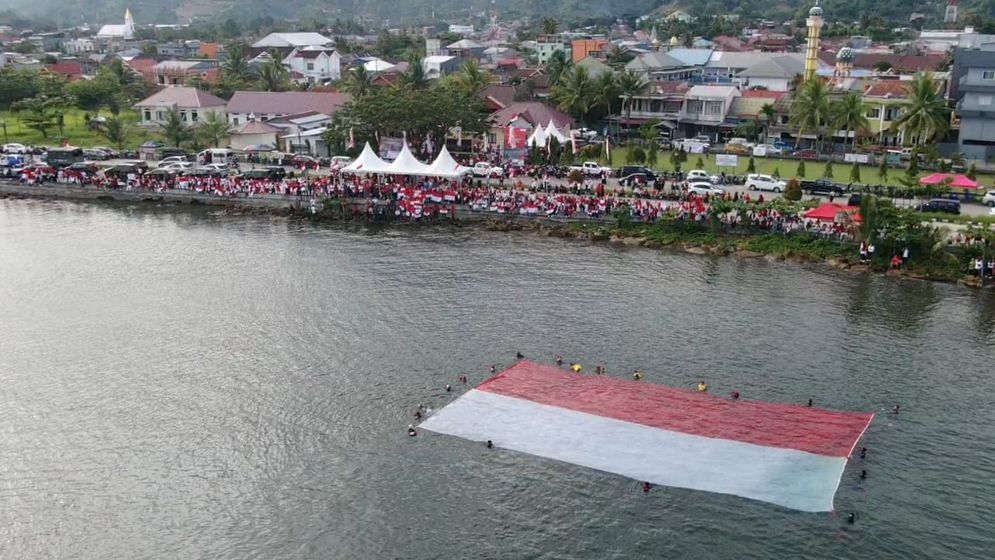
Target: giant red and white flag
(788, 455)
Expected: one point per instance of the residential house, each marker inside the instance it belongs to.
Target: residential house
(594, 67)
(774, 74)
(466, 49)
(284, 43)
(526, 115)
(254, 133)
(544, 50)
(70, 70)
(498, 96)
(303, 133)
(706, 109)
(658, 102)
(193, 104)
(883, 99)
(583, 48)
(727, 66)
(659, 66)
(972, 87)
(75, 47)
(315, 65)
(438, 66)
(898, 63)
(178, 72)
(265, 105)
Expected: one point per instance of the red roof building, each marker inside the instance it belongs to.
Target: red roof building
(72, 71)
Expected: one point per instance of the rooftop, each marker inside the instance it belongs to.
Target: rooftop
(179, 96)
(283, 40)
(286, 102)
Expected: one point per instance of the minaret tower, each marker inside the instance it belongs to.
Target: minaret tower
(814, 23)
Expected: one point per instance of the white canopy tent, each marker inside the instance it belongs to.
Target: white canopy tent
(445, 166)
(367, 162)
(553, 132)
(538, 137)
(406, 164)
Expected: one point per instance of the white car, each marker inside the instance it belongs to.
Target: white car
(171, 159)
(699, 176)
(15, 148)
(989, 199)
(771, 149)
(756, 182)
(484, 169)
(219, 167)
(591, 168)
(177, 165)
(338, 162)
(705, 189)
(585, 133)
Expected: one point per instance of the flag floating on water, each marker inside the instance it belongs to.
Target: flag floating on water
(788, 455)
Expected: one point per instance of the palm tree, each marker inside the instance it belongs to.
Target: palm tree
(576, 92)
(273, 75)
(769, 112)
(619, 56)
(549, 26)
(214, 128)
(414, 77)
(116, 131)
(359, 82)
(810, 109)
(235, 65)
(925, 115)
(472, 77)
(605, 91)
(173, 127)
(849, 115)
(630, 84)
(557, 66)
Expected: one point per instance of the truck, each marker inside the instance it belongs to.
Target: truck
(591, 168)
(823, 187)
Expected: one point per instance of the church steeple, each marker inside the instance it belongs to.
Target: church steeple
(129, 24)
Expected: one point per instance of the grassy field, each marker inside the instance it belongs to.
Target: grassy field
(813, 169)
(75, 131)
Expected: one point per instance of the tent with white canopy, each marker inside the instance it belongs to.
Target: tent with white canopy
(553, 132)
(445, 166)
(538, 137)
(406, 164)
(367, 162)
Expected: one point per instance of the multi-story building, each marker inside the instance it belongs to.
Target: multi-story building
(884, 100)
(972, 87)
(192, 104)
(315, 65)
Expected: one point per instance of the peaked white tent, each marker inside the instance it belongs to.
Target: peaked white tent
(538, 137)
(406, 164)
(552, 132)
(445, 166)
(367, 162)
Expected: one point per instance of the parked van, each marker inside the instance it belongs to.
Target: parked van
(216, 155)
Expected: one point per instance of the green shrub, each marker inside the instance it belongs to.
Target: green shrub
(793, 190)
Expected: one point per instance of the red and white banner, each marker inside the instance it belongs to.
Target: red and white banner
(515, 138)
(788, 455)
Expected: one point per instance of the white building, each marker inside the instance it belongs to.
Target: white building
(544, 51)
(78, 46)
(292, 40)
(124, 32)
(193, 104)
(316, 65)
(461, 29)
(437, 66)
(265, 105)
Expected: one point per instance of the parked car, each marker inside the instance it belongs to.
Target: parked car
(12, 160)
(591, 168)
(122, 171)
(16, 149)
(273, 173)
(162, 173)
(666, 144)
(823, 187)
(705, 189)
(693, 145)
(638, 178)
(338, 162)
(756, 182)
(585, 134)
(772, 149)
(83, 167)
(172, 159)
(627, 170)
(739, 149)
(989, 199)
(177, 165)
(485, 169)
(95, 153)
(805, 154)
(943, 205)
(109, 151)
(697, 175)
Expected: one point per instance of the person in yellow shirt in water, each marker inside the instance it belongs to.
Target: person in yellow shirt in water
(576, 368)
(702, 387)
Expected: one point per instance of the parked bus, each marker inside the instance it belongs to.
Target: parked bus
(64, 157)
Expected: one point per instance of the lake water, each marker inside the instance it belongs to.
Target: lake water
(179, 385)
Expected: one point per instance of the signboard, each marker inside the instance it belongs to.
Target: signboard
(390, 148)
(726, 160)
(856, 158)
(515, 138)
(760, 151)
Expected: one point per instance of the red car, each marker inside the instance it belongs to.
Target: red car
(806, 154)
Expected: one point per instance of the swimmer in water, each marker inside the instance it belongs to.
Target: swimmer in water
(850, 518)
(863, 474)
(411, 431)
(490, 444)
(448, 388)
(559, 360)
(810, 402)
(417, 415)
(895, 410)
(863, 452)
(576, 368)
(646, 487)
(462, 379)
(493, 369)
(637, 375)
(702, 387)
(519, 355)
(735, 395)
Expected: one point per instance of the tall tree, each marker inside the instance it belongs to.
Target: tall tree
(358, 82)
(557, 65)
(810, 109)
(173, 127)
(273, 75)
(214, 128)
(630, 84)
(235, 65)
(925, 116)
(850, 115)
(606, 91)
(769, 112)
(549, 26)
(414, 77)
(619, 56)
(472, 77)
(116, 130)
(575, 93)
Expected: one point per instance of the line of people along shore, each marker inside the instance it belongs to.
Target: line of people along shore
(429, 198)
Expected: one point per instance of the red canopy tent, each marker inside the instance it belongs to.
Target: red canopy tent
(828, 212)
(956, 181)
